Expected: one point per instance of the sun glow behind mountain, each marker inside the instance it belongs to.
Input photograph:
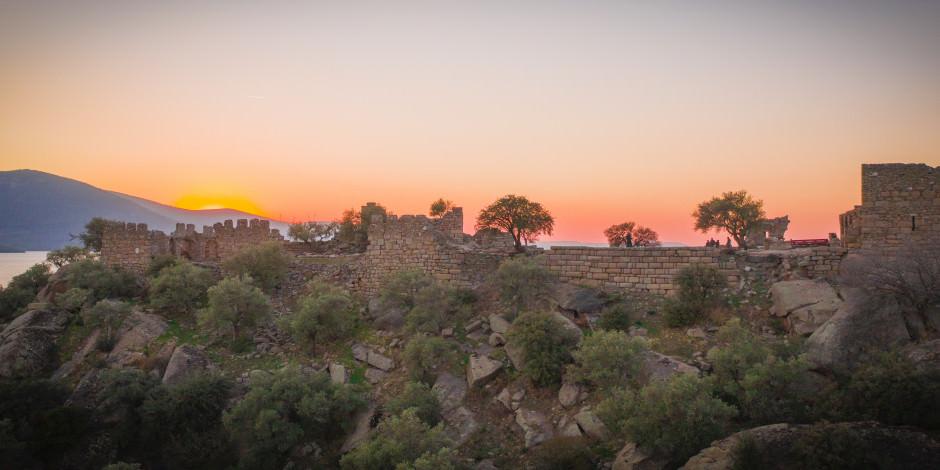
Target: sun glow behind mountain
(208, 202)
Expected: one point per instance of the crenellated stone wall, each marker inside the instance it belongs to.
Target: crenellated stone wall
(900, 206)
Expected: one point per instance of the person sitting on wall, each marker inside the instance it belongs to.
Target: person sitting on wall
(629, 241)
(728, 243)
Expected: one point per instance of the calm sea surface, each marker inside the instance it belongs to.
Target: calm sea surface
(12, 264)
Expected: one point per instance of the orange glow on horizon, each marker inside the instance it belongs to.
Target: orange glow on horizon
(206, 202)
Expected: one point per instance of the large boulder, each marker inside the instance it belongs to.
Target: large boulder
(592, 425)
(902, 447)
(499, 324)
(380, 361)
(364, 424)
(579, 299)
(481, 369)
(386, 316)
(804, 304)
(535, 426)
(137, 331)
(925, 355)
(27, 344)
(450, 391)
(861, 328)
(569, 325)
(632, 457)
(186, 361)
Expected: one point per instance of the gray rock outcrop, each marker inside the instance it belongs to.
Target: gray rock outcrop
(27, 344)
(186, 361)
(805, 305)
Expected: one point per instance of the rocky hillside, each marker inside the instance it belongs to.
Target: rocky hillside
(190, 367)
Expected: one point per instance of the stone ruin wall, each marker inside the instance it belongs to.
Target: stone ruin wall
(132, 246)
(900, 206)
(436, 246)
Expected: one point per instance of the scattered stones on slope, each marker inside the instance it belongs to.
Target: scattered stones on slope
(658, 366)
(536, 427)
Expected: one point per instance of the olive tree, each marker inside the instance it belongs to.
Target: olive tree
(234, 304)
(525, 220)
(735, 212)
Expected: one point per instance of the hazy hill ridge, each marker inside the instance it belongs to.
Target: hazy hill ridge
(39, 210)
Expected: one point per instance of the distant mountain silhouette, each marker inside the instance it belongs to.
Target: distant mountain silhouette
(39, 211)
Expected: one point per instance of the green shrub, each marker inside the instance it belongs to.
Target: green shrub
(427, 356)
(890, 389)
(94, 232)
(701, 288)
(107, 315)
(72, 300)
(180, 288)
(435, 308)
(36, 428)
(401, 442)
(740, 351)
(22, 290)
(780, 391)
(267, 264)
(545, 344)
(419, 397)
(67, 255)
(160, 262)
(401, 288)
(523, 284)
(121, 393)
(618, 316)
(102, 281)
(287, 409)
(184, 422)
(234, 304)
(563, 453)
(608, 358)
(674, 418)
(326, 313)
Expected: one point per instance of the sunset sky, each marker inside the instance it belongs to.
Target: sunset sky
(604, 111)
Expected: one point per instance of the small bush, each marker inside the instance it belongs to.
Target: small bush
(36, 427)
(892, 390)
(22, 290)
(234, 304)
(266, 264)
(524, 285)
(425, 357)
(108, 315)
(546, 345)
(674, 419)
(608, 358)
(741, 350)
(780, 391)
(180, 288)
(102, 281)
(72, 300)
(701, 288)
(286, 409)
(435, 308)
(401, 288)
(326, 313)
(160, 262)
(618, 316)
(401, 442)
(563, 453)
(419, 397)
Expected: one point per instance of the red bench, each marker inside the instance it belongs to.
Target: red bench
(810, 242)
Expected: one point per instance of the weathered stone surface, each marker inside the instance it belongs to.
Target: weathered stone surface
(568, 394)
(569, 325)
(385, 316)
(461, 424)
(499, 324)
(632, 457)
(186, 361)
(696, 333)
(805, 304)
(658, 366)
(360, 352)
(27, 344)
(515, 355)
(578, 299)
(481, 369)
(137, 331)
(380, 362)
(592, 425)
(925, 355)
(361, 431)
(497, 339)
(374, 376)
(903, 447)
(505, 398)
(337, 373)
(536, 427)
(860, 328)
(450, 391)
(569, 429)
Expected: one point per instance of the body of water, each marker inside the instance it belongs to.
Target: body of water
(12, 264)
